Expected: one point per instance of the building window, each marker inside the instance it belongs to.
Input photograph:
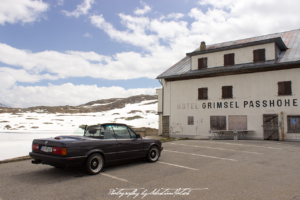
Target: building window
(229, 59)
(227, 92)
(285, 88)
(259, 55)
(237, 122)
(190, 120)
(293, 122)
(202, 63)
(217, 122)
(202, 93)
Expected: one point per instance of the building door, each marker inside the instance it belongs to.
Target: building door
(217, 122)
(270, 127)
(165, 125)
(237, 122)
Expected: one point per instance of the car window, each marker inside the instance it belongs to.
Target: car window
(79, 131)
(93, 131)
(121, 132)
(132, 134)
(107, 132)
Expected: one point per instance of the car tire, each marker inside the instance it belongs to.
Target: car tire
(153, 154)
(94, 164)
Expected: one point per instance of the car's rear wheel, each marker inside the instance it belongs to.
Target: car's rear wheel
(153, 154)
(94, 164)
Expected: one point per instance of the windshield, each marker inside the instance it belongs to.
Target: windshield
(79, 131)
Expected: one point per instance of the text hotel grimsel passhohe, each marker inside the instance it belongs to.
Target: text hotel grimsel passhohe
(236, 104)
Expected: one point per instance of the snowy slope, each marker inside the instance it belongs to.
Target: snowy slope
(39, 121)
(24, 127)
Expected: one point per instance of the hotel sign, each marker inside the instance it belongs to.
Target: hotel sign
(236, 104)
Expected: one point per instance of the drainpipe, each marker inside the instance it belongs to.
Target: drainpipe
(281, 126)
(162, 96)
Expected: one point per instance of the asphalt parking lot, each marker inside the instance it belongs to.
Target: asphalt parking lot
(187, 169)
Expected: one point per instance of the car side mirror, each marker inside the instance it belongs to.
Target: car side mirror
(138, 136)
(92, 131)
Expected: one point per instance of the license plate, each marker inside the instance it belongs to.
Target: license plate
(46, 149)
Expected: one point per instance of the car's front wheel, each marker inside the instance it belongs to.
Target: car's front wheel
(94, 164)
(153, 154)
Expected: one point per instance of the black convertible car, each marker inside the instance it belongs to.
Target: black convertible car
(99, 145)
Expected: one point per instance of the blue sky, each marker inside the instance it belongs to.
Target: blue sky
(69, 52)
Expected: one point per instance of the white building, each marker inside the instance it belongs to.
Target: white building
(250, 84)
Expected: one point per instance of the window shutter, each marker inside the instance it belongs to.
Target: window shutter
(205, 96)
(223, 92)
(262, 56)
(190, 120)
(200, 63)
(281, 88)
(225, 60)
(229, 59)
(287, 87)
(229, 91)
(200, 93)
(255, 56)
(217, 122)
(259, 55)
(222, 123)
(204, 63)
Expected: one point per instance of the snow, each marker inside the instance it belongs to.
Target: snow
(25, 127)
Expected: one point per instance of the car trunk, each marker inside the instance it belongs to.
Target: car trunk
(46, 145)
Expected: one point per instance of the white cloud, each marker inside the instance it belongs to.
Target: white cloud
(129, 65)
(142, 11)
(60, 2)
(81, 9)
(66, 94)
(9, 77)
(23, 11)
(228, 20)
(88, 35)
(135, 34)
(175, 15)
(162, 42)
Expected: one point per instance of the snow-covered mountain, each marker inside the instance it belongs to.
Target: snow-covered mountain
(136, 113)
(93, 106)
(18, 127)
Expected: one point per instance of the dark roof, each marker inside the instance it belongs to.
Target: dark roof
(277, 40)
(288, 42)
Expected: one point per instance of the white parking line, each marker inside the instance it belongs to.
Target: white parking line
(176, 165)
(114, 177)
(244, 145)
(217, 148)
(201, 155)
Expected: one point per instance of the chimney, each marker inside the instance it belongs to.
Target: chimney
(202, 46)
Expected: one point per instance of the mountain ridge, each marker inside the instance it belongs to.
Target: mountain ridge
(92, 106)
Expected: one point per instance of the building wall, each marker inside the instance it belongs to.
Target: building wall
(241, 55)
(159, 104)
(159, 109)
(181, 101)
(167, 99)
